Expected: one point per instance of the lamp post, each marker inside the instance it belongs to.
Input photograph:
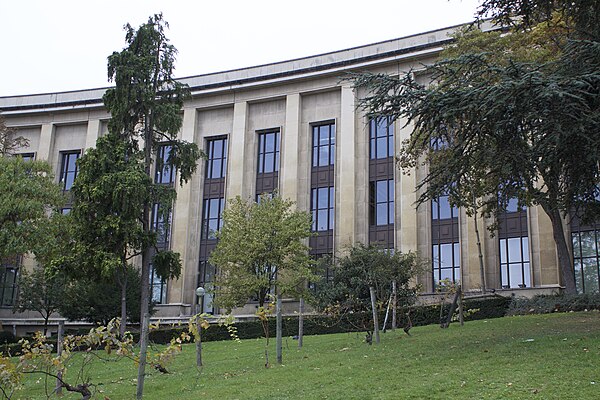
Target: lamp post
(200, 304)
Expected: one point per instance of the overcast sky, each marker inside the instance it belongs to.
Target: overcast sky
(60, 45)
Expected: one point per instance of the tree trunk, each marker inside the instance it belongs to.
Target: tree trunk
(278, 332)
(562, 250)
(59, 348)
(375, 319)
(145, 273)
(144, 347)
(123, 324)
(394, 305)
(301, 322)
(198, 342)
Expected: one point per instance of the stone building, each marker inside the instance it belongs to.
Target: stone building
(294, 126)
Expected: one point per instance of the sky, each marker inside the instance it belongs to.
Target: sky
(61, 45)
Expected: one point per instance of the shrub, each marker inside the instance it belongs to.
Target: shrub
(543, 304)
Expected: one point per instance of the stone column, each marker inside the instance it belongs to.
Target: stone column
(46, 145)
(345, 214)
(237, 151)
(406, 197)
(93, 132)
(182, 290)
(290, 149)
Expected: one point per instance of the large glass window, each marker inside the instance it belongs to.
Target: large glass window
(441, 209)
(161, 224)
(446, 263)
(514, 262)
(586, 257)
(211, 218)
(68, 169)
(268, 152)
(164, 172)
(216, 164)
(9, 273)
(381, 202)
(322, 201)
(158, 287)
(381, 138)
(323, 145)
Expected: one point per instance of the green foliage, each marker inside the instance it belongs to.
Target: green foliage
(28, 193)
(365, 266)
(518, 120)
(8, 141)
(98, 300)
(39, 292)
(261, 245)
(543, 304)
(167, 264)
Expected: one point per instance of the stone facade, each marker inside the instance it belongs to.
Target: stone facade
(291, 98)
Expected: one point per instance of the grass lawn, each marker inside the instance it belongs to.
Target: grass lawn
(555, 356)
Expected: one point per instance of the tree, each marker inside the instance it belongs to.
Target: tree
(39, 292)
(363, 282)
(27, 195)
(109, 194)
(96, 300)
(517, 122)
(8, 141)
(145, 107)
(261, 251)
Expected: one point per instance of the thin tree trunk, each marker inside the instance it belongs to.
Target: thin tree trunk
(461, 314)
(562, 250)
(145, 273)
(144, 346)
(59, 349)
(198, 342)
(123, 324)
(375, 319)
(278, 329)
(301, 322)
(394, 305)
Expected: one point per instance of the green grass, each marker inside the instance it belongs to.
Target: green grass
(554, 356)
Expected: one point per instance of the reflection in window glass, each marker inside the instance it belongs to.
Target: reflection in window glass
(211, 217)
(268, 152)
(323, 145)
(586, 260)
(216, 164)
(446, 263)
(441, 209)
(322, 201)
(68, 169)
(158, 287)
(381, 202)
(164, 171)
(514, 262)
(381, 138)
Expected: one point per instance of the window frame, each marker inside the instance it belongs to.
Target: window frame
(212, 160)
(318, 149)
(65, 172)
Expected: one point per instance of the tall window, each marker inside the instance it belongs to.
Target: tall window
(323, 145)
(164, 171)
(68, 169)
(322, 208)
(513, 241)
(381, 141)
(268, 152)
(216, 164)
(158, 287)
(514, 262)
(9, 272)
(445, 252)
(211, 219)
(586, 260)
(161, 224)
(381, 202)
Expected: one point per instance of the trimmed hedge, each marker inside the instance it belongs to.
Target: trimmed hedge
(543, 304)
(493, 307)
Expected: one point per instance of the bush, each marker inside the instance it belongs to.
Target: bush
(493, 307)
(7, 337)
(543, 304)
